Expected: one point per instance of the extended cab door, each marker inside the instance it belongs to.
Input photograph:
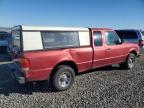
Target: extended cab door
(99, 49)
(115, 51)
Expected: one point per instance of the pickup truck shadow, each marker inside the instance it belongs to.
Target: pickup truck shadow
(106, 68)
(9, 85)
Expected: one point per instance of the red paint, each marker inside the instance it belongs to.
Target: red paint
(43, 62)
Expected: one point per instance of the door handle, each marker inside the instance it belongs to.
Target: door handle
(108, 49)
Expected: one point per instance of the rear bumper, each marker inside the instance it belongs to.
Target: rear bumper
(17, 73)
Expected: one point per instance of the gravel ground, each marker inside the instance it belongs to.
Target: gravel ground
(101, 88)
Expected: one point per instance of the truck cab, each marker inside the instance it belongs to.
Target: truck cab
(57, 54)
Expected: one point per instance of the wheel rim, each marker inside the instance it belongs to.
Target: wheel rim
(64, 79)
(131, 62)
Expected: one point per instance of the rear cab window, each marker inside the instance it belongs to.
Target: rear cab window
(16, 39)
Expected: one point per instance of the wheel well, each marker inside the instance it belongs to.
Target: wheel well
(69, 63)
(134, 52)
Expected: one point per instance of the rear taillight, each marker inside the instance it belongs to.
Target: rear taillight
(25, 64)
(141, 43)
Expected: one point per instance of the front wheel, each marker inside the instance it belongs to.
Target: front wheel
(129, 63)
(63, 78)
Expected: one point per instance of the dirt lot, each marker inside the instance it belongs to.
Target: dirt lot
(101, 88)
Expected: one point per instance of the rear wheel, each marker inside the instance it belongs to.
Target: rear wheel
(129, 63)
(63, 78)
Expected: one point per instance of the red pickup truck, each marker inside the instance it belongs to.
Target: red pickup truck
(57, 54)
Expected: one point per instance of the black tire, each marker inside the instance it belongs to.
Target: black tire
(129, 63)
(63, 78)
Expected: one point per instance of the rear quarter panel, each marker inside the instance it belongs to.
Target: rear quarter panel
(43, 62)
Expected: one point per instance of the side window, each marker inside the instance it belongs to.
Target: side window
(60, 39)
(112, 38)
(97, 35)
